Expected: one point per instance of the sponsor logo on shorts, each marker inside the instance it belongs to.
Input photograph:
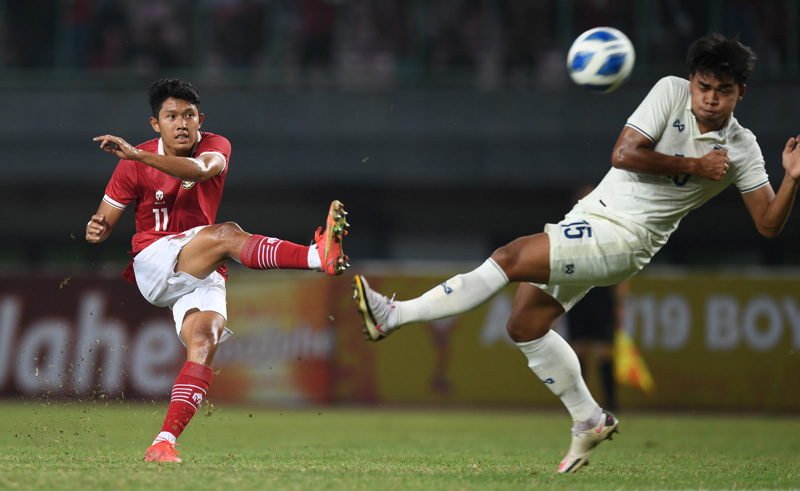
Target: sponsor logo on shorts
(570, 268)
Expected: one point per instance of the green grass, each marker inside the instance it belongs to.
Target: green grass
(99, 445)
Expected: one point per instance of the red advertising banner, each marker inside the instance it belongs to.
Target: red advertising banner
(709, 340)
(84, 337)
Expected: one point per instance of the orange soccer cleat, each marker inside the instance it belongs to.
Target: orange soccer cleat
(162, 451)
(329, 242)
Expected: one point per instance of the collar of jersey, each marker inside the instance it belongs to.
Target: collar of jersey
(720, 136)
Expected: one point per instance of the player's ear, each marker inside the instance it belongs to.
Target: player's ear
(154, 124)
(200, 119)
(741, 92)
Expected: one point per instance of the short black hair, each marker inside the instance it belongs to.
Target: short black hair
(722, 57)
(165, 88)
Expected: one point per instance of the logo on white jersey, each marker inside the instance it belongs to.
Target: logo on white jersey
(679, 125)
(159, 195)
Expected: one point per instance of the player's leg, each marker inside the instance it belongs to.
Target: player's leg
(215, 245)
(555, 363)
(199, 309)
(201, 332)
(549, 356)
(524, 259)
(552, 359)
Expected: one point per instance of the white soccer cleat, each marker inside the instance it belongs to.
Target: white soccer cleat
(583, 442)
(374, 309)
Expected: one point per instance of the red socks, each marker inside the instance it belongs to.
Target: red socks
(261, 252)
(188, 392)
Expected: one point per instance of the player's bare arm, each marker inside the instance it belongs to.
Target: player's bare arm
(768, 209)
(102, 223)
(634, 152)
(199, 169)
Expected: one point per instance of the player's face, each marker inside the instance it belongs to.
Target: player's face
(178, 122)
(713, 100)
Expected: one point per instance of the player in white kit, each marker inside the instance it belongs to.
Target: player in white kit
(681, 147)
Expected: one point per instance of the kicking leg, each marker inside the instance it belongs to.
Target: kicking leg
(215, 245)
(525, 259)
(455, 296)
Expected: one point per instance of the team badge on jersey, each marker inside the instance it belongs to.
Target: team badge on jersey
(159, 195)
(187, 184)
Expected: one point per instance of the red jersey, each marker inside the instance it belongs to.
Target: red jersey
(166, 205)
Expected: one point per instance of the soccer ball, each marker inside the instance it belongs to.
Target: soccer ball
(601, 59)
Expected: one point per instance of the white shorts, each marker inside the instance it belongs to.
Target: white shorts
(588, 251)
(162, 286)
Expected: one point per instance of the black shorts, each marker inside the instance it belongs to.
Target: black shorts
(594, 317)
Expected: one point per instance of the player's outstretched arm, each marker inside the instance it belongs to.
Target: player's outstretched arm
(102, 223)
(768, 209)
(634, 152)
(196, 169)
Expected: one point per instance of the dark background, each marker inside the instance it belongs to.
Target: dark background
(446, 128)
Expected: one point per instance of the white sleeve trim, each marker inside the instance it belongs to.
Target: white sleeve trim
(223, 158)
(115, 204)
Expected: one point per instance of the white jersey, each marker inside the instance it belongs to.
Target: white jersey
(658, 203)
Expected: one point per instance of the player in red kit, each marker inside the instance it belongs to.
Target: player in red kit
(179, 252)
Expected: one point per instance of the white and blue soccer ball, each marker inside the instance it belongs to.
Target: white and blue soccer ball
(601, 59)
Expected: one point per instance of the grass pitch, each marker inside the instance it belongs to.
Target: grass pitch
(99, 445)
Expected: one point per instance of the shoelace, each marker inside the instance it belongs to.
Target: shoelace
(383, 309)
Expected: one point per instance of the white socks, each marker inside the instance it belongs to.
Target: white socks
(165, 436)
(313, 258)
(555, 363)
(455, 296)
(550, 357)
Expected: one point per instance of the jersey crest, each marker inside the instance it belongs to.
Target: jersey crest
(187, 184)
